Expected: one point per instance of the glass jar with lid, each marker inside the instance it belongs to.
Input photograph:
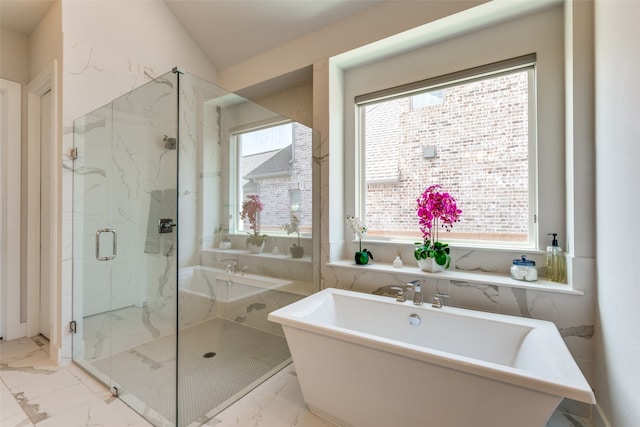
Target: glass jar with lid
(524, 269)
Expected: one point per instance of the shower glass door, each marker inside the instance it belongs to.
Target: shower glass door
(170, 307)
(125, 247)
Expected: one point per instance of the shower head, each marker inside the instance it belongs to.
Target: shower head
(169, 143)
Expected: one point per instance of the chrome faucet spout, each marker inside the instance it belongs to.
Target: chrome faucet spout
(230, 264)
(417, 295)
(417, 291)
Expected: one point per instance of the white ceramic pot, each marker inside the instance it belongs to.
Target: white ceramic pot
(255, 249)
(430, 265)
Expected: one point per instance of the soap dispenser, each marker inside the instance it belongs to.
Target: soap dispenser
(555, 261)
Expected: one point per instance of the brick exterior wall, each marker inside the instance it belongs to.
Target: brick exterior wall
(275, 191)
(480, 132)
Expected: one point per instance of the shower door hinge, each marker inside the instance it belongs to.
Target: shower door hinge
(73, 153)
(73, 327)
(114, 391)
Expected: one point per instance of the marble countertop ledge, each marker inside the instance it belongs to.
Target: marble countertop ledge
(463, 276)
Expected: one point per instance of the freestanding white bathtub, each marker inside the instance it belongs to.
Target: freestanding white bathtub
(361, 363)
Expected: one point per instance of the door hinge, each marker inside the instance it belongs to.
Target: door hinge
(73, 154)
(73, 327)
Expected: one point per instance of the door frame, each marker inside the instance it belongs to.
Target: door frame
(46, 81)
(12, 326)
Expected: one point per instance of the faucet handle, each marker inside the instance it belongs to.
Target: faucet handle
(437, 300)
(400, 295)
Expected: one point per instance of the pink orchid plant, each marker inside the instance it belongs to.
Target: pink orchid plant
(436, 209)
(250, 208)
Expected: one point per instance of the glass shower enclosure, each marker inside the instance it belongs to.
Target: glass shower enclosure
(169, 305)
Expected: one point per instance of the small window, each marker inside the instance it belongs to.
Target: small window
(274, 163)
(476, 138)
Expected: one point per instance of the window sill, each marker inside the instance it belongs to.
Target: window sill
(465, 276)
(245, 252)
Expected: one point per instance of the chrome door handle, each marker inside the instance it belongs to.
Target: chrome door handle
(115, 244)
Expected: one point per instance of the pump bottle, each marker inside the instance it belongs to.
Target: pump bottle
(555, 262)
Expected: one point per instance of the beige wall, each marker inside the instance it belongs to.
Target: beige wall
(295, 102)
(373, 24)
(46, 41)
(14, 56)
(617, 207)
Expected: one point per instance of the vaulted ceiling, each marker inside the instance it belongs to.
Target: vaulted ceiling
(227, 31)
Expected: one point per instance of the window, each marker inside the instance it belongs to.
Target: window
(274, 162)
(472, 132)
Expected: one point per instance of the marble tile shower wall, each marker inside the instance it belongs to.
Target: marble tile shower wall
(127, 172)
(91, 69)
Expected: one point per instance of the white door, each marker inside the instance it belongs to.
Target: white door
(46, 232)
(10, 166)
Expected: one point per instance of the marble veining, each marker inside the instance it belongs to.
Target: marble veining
(31, 409)
(488, 292)
(521, 300)
(146, 321)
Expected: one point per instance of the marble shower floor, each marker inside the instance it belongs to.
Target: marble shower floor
(36, 392)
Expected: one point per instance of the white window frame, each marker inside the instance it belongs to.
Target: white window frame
(524, 62)
(236, 225)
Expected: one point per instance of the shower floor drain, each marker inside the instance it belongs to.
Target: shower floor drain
(209, 355)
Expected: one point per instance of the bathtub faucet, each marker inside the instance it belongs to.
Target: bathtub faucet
(230, 264)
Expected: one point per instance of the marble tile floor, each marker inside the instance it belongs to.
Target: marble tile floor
(36, 392)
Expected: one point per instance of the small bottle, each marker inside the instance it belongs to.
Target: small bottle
(555, 262)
